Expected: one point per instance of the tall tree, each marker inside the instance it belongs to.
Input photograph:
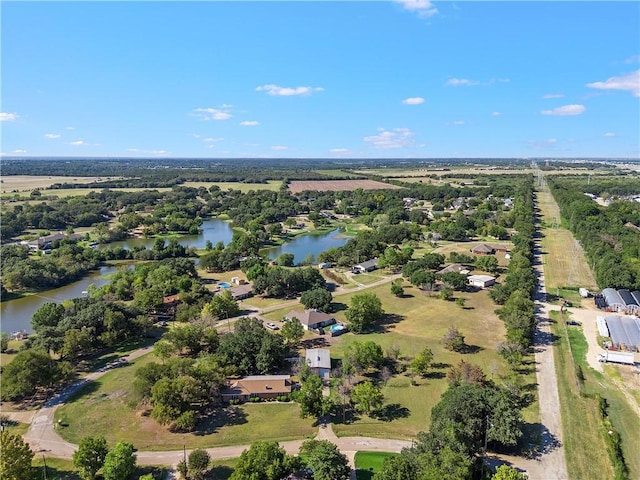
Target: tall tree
(15, 457)
(292, 332)
(365, 309)
(318, 298)
(90, 456)
(422, 362)
(366, 397)
(198, 464)
(325, 460)
(120, 462)
(265, 460)
(310, 396)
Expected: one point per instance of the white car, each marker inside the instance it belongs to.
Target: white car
(271, 326)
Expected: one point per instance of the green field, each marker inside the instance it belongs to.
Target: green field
(243, 187)
(92, 410)
(368, 463)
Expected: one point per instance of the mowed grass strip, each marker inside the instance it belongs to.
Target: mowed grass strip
(106, 406)
(565, 264)
(368, 463)
(585, 449)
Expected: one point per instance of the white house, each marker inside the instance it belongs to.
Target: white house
(367, 266)
(319, 359)
(481, 281)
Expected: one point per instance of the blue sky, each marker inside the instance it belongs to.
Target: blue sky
(325, 79)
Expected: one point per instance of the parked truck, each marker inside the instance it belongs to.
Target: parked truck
(608, 356)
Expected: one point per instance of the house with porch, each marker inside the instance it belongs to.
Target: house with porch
(257, 386)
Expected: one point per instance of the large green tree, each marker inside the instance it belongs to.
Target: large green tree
(30, 370)
(318, 298)
(15, 457)
(90, 456)
(222, 305)
(265, 460)
(325, 460)
(366, 397)
(120, 462)
(198, 464)
(365, 309)
(292, 332)
(310, 396)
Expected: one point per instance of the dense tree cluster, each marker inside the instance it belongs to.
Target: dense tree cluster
(467, 413)
(607, 234)
(515, 294)
(282, 282)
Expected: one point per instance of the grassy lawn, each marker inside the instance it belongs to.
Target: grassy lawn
(564, 262)
(12, 351)
(368, 463)
(369, 278)
(582, 432)
(93, 410)
(421, 321)
(243, 187)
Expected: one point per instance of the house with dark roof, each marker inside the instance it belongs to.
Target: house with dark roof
(454, 267)
(311, 319)
(241, 291)
(257, 386)
(483, 249)
(367, 266)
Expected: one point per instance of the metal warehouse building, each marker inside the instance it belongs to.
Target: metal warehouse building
(624, 331)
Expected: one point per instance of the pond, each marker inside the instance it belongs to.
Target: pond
(213, 229)
(16, 314)
(301, 247)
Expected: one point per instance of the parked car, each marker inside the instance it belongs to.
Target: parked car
(271, 326)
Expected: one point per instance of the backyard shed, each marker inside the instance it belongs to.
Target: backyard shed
(319, 360)
(481, 281)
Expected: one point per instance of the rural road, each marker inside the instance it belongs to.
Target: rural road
(551, 464)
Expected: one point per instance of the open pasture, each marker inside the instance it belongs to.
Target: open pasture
(23, 183)
(298, 186)
(273, 185)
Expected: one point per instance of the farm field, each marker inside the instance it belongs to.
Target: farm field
(24, 183)
(565, 264)
(273, 185)
(297, 186)
(75, 192)
(92, 410)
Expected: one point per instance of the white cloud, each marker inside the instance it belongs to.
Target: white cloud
(632, 59)
(213, 140)
(496, 114)
(565, 110)
(213, 113)
(148, 152)
(249, 123)
(465, 82)
(461, 82)
(413, 101)
(459, 122)
(19, 151)
(630, 82)
(8, 117)
(424, 8)
(610, 134)
(79, 143)
(339, 150)
(279, 148)
(278, 91)
(69, 128)
(52, 135)
(543, 144)
(553, 95)
(390, 139)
